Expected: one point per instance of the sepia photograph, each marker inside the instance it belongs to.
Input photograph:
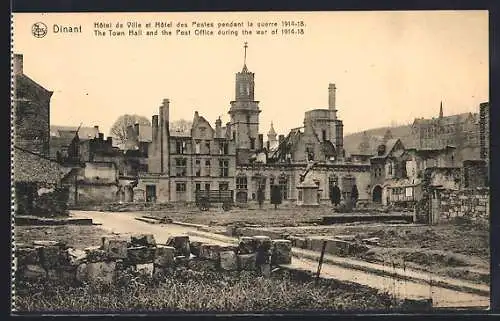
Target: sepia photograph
(250, 162)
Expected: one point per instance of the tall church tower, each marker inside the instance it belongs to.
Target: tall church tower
(244, 112)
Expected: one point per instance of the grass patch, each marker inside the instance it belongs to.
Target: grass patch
(196, 291)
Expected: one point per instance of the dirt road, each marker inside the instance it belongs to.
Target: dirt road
(125, 223)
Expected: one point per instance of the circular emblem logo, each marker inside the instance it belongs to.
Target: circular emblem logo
(39, 29)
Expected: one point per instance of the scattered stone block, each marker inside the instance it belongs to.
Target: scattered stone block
(262, 243)
(143, 240)
(49, 243)
(246, 245)
(51, 256)
(247, 262)
(101, 272)
(181, 244)
(116, 249)
(228, 260)
(372, 240)
(195, 247)
(164, 256)
(315, 243)
(145, 269)
(27, 255)
(301, 242)
(33, 272)
(282, 252)
(210, 251)
(76, 256)
(141, 254)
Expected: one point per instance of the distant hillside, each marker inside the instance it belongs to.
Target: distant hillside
(352, 141)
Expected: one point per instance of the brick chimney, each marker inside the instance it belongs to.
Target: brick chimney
(18, 64)
(331, 100)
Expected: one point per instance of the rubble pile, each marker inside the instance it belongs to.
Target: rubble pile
(52, 260)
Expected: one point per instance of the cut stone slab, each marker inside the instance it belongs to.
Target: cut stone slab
(141, 254)
(145, 269)
(98, 272)
(210, 251)
(164, 256)
(143, 240)
(247, 262)
(51, 256)
(181, 244)
(33, 272)
(49, 243)
(76, 256)
(195, 247)
(282, 252)
(246, 245)
(228, 260)
(116, 249)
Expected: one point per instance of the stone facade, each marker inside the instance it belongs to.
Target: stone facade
(456, 130)
(31, 104)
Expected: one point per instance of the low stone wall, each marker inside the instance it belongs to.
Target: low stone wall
(103, 264)
(472, 203)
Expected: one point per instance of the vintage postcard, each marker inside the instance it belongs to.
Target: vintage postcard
(250, 162)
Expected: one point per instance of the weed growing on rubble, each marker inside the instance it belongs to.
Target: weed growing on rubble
(191, 290)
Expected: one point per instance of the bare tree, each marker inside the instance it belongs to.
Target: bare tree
(119, 128)
(181, 125)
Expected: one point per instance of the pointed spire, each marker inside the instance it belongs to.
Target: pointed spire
(441, 110)
(271, 131)
(245, 69)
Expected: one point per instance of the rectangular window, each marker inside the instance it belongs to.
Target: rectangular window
(180, 167)
(283, 183)
(197, 147)
(207, 186)
(207, 167)
(223, 186)
(224, 167)
(198, 187)
(241, 182)
(252, 143)
(180, 187)
(409, 192)
(197, 168)
(180, 147)
(207, 147)
(223, 148)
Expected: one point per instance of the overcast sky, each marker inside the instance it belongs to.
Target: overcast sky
(387, 66)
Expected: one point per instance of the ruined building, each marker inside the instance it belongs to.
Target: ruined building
(31, 103)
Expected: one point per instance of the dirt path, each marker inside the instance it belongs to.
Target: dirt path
(126, 223)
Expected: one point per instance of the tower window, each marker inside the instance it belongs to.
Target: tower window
(324, 134)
